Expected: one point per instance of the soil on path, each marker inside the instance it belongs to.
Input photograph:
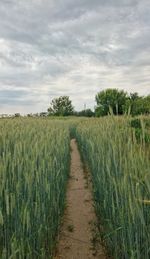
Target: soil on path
(77, 238)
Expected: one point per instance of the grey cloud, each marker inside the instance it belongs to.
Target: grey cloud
(14, 97)
(50, 48)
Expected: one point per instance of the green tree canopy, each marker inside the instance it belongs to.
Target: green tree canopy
(110, 99)
(85, 113)
(138, 104)
(61, 106)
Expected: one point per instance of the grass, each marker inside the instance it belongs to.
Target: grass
(121, 179)
(34, 166)
(141, 126)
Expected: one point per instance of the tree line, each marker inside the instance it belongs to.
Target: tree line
(108, 101)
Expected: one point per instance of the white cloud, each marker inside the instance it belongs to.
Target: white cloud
(77, 48)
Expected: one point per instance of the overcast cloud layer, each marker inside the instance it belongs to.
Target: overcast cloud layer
(50, 48)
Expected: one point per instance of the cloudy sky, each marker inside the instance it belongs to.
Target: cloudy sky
(50, 48)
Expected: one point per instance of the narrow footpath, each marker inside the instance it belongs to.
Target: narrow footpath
(77, 238)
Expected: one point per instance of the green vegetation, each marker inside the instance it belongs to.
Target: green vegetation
(119, 102)
(34, 165)
(121, 180)
(61, 106)
(110, 98)
(138, 104)
(85, 113)
(142, 129)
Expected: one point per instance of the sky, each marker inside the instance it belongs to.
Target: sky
(77, 48)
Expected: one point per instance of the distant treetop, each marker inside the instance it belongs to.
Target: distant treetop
(61, 106)
(119, 102)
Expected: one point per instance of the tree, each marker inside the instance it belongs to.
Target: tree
(137, 104)
(131, 103)
(141, 106)
(147, 104)
(61, 106)
(110, 99)
(17, 115)
(43, 114)
(85, 113)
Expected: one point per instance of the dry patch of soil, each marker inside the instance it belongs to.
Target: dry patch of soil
(77, 238)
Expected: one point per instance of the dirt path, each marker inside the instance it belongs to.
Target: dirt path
(77, 237)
